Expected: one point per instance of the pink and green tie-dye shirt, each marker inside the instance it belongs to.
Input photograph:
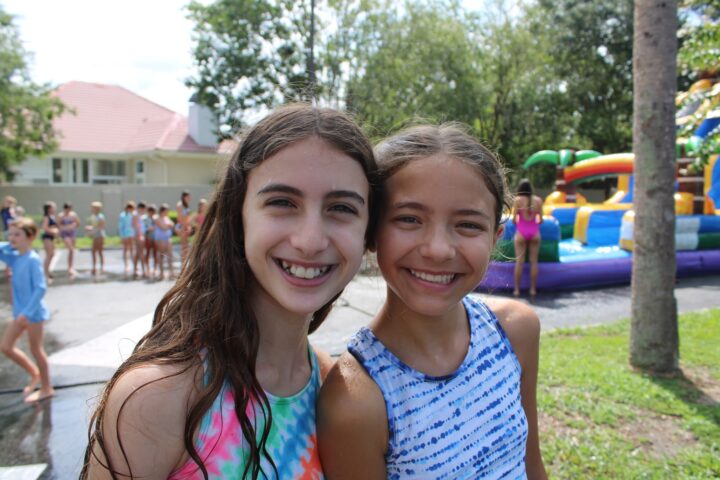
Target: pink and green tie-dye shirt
(292, 442)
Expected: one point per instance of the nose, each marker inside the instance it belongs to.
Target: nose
(438, 245)
(310, 236)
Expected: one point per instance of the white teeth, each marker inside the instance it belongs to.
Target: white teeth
(442, 279)
(307, 273)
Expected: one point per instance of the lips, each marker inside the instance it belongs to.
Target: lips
(440, 278)
(304, 272)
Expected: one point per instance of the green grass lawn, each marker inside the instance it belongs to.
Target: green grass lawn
(600, 419)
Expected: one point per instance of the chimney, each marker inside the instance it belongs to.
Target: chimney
(202, 124)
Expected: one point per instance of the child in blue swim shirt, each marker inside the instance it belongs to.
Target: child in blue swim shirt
(29, 309)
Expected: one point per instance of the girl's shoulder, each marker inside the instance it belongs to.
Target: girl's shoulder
(147, 409)
(168, 385)
(521, 325)
(350, 401)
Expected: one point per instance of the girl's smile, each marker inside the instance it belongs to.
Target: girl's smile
(433, 249)
(304, 216)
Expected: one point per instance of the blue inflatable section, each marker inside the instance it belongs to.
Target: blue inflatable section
(566, 216)
(714, 192)
(604, 227)
(709, 224)
(628, 198)
(572, 251)
(707, 126)
(549, 230)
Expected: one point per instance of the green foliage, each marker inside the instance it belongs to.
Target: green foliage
(591, 54)
(26, 109)
(700, 36)
(249, 54)
(599, 419)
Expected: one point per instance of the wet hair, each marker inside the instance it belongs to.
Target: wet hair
(183, 198)
(450, 139)
(524, 188)
(27, 225)
(208, 309)
(47, 206)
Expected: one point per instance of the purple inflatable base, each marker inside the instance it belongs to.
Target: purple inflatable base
(595, 273)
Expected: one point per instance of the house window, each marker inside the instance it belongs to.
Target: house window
(57, 170)
(139, 172)
(80, 170)
(109, 172)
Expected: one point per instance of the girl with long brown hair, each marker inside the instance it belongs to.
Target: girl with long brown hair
(224, 384)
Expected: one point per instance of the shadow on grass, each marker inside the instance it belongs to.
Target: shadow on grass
(697, 398)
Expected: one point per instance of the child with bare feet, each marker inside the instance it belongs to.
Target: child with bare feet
(29, 309)
(163, 232)
(127, 235)
(139, 228)
(150, 249)
(96, 230)
(69, 223)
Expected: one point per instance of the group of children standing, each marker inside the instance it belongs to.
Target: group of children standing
(146, 231)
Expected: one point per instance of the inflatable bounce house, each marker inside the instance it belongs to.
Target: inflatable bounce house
(590, 244)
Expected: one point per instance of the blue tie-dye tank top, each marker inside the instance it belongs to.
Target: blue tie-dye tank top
(469, 424)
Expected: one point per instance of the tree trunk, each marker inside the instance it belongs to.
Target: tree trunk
(654, 333)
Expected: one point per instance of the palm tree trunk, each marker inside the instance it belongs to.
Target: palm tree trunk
(654, 334)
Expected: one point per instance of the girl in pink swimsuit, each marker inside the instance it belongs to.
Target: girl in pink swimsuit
(224, 384)
(527, 216)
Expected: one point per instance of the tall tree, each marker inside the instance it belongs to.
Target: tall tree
(591, 52)
(27, 109)
(249, 55)
(654, 331)
(420, 64)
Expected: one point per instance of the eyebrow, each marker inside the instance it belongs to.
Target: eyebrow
(283, 188)
(463, 211)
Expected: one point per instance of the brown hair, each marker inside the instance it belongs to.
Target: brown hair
(208, 307)
(27, 225)
(450, 139)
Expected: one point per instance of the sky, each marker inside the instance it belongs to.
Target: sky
(142, 45)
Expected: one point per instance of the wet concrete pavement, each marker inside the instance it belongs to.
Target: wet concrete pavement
(96, 323)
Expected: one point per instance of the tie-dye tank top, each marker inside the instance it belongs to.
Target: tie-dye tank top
(292, 442)
(469, 424)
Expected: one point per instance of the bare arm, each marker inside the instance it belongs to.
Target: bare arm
(522, 326)
(352, 424)
(144, 424)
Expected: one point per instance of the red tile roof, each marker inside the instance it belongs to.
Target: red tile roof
(112, 119)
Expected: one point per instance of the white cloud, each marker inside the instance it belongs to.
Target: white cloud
(142, 45)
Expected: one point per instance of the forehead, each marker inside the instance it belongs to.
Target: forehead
(441, 172)
(308, 163)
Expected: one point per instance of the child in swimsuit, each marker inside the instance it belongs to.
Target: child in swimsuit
(527, 216)
(163, 233)
(432, 387)
(150, 248)
(139, 230)
(96, 230)
(127, 234)
(69, 223)
(225, 383)
(50, 233)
